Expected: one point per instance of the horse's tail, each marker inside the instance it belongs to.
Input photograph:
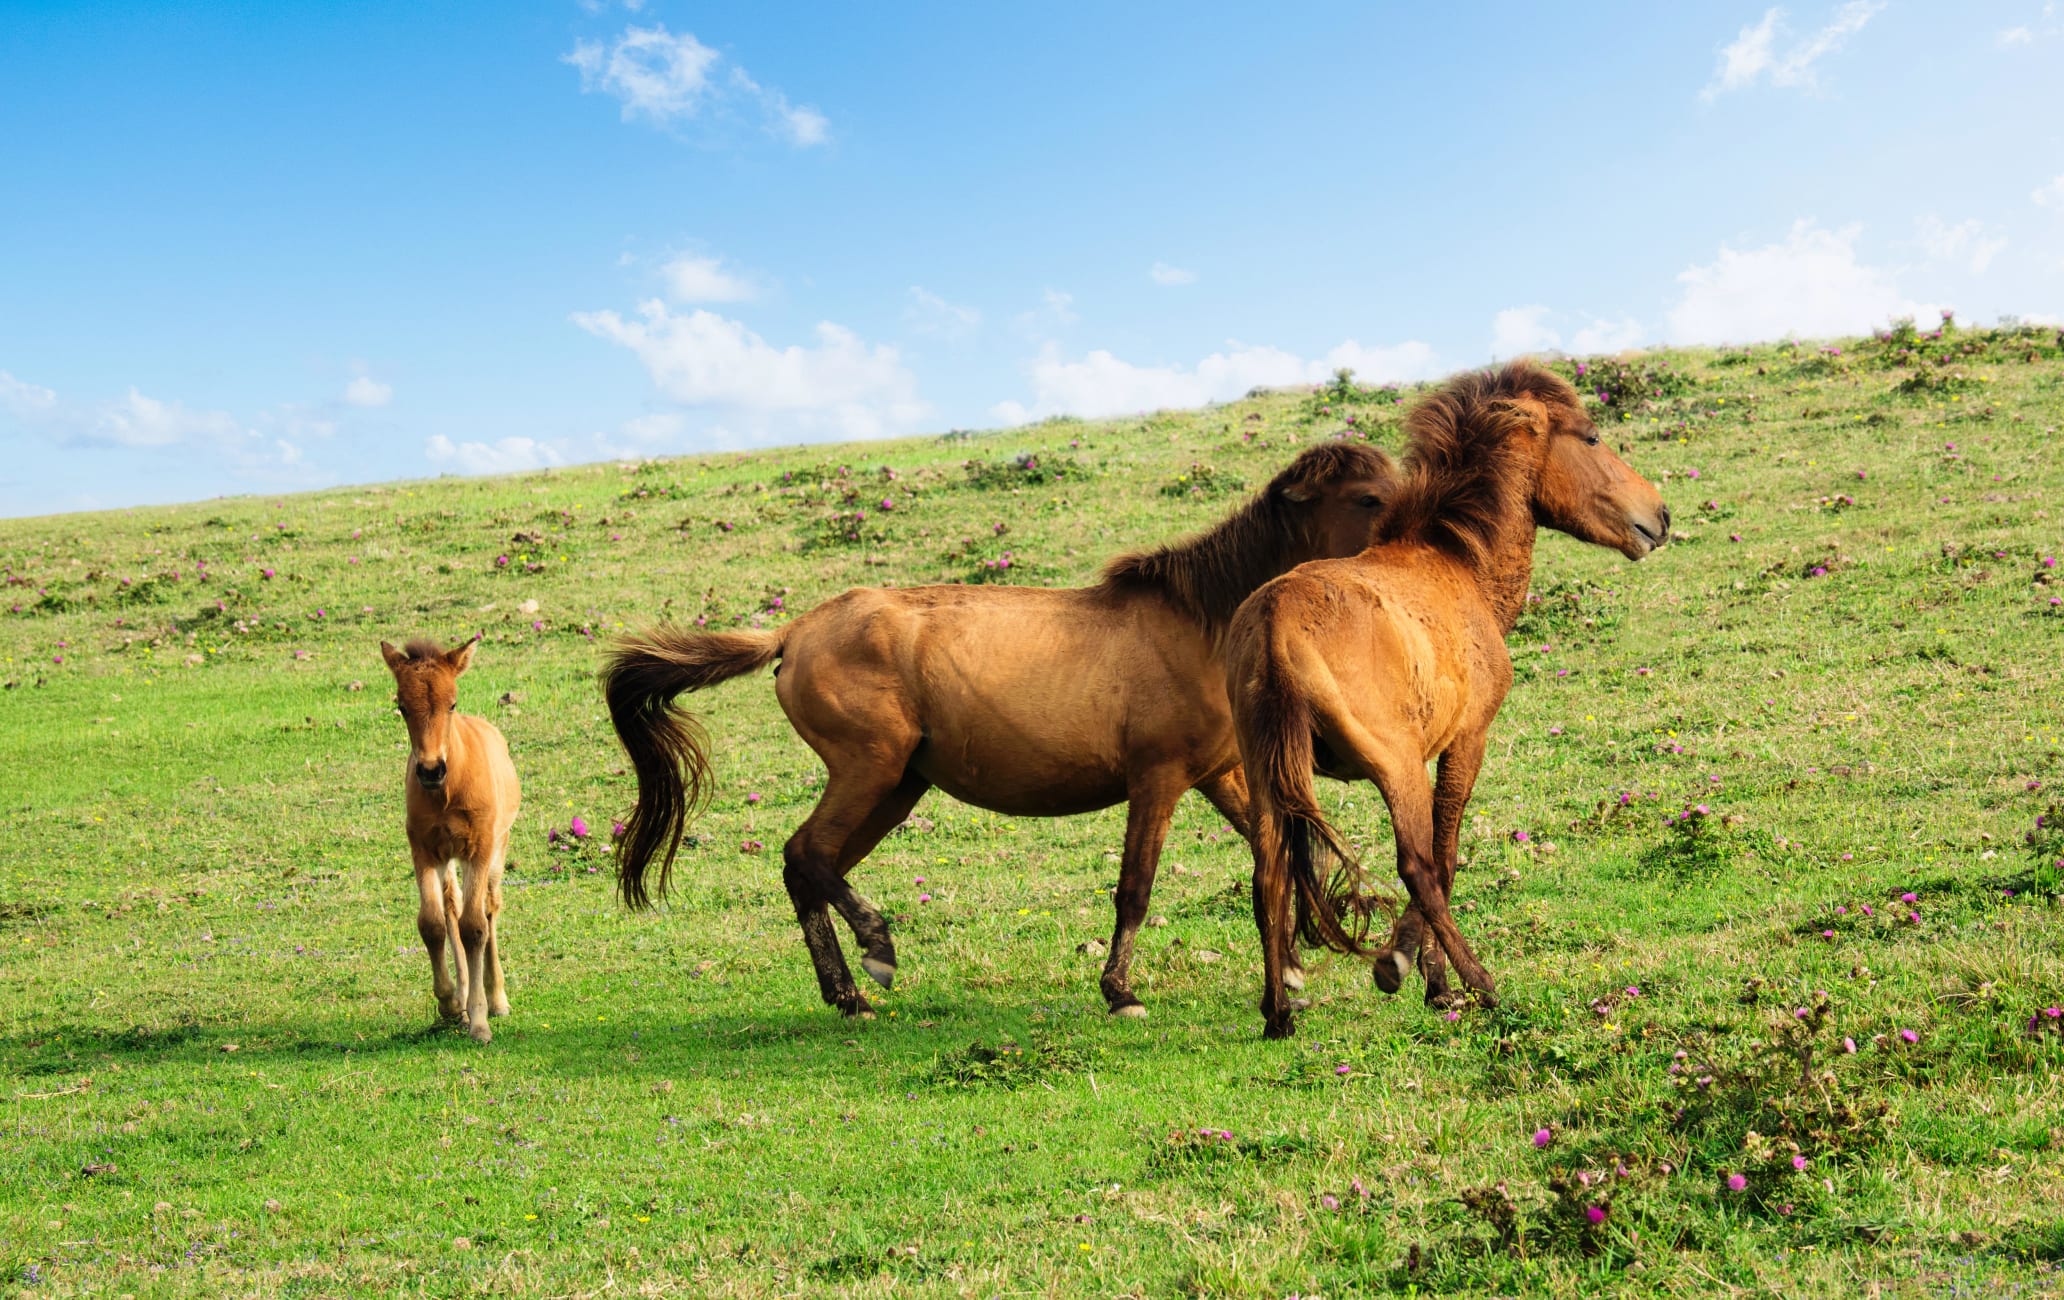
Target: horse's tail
(1276, 724)
(668, 748)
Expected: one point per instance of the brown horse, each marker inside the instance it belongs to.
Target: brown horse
(1370, 667)
(1028, 701)
(462, 799)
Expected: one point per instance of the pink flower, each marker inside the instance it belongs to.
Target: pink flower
(1330, 1201)
(1542, 1137)
(1520, 837)
(1343, 1069)
(1737, 1183)
(265, 573)
(1849, 1046)
(753, 798)
(924, 898)
(1800, 1162)
(1359, 1190)
(1596, 1214)
(1909, 898)
(578, 828)
(616, 830)
(1909, 1036)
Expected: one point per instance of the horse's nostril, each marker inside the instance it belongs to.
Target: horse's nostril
(1666, 521)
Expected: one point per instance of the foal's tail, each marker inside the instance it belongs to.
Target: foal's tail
(1276, 727)
(668, 748)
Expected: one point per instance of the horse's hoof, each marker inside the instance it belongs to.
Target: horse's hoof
(1282, 1026)
(881, 972)
(1293, 978)
(1130, 1011)
(1446, 1000)
(481, 1033)
(857, 1007)
(498, 1009)
(1390, 970)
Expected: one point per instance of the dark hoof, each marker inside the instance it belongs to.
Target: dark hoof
(1389, 970)
(881, 972)
(1485, 999)
(1283, 1025)
(1446, 1000)
(857, 1006)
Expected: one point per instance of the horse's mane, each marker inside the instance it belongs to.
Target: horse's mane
(1207, 576)
(1466, 471)
(423, 647)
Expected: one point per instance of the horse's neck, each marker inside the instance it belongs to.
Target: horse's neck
(1506, 575)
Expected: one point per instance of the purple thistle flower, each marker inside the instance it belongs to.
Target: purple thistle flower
(1343, 1069)
(578, 828)
(1596, 1214)
(1849, 1046)
(1542, 1137)
(1800, 1162)
(1330, 1201)
(1909, 1036)
(1737, 1183)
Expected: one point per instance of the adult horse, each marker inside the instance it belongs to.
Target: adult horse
(1371, 667)
(1031, 701)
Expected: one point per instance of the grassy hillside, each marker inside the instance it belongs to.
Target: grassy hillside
(221, 1075)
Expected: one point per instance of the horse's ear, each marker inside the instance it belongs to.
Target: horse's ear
(462, 658)
(395, 658)
(1534, 412)
(1298, 493)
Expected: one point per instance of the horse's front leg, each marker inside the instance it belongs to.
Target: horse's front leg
(473, 931)
(436, 924)
(1228, 793)
(1459, 767)
(1153, 801)
(1272, 917)
(497, 990)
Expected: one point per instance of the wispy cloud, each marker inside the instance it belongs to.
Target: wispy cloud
(266, 449)
(1171, 276)
(700, 359)
(1809, 284)
(1100, 383)
(1754, 56)
(1967, 243)
(668, 79)
(928, 313)
(503, 456)
(364, 390)
(1517, 331)
(703, 279)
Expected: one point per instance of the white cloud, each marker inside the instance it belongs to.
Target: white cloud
(702, 359)
(928, 313)
(1809, 284)
(139, 421)
(2050, 196)
(1056, 310)
(1753, 56)
(1170, 276)
(364, 390)
(1966, 243)
(24, 399)
(1101, 384)
(504, 456)
(668, 79)
(704, 279)
(2016, 36)
(1518, 330)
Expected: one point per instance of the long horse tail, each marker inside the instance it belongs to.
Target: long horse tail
(1332, 910)
(668, 748)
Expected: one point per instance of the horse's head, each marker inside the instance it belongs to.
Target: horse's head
(1341, 489)
(426, 687)
(1583, 488)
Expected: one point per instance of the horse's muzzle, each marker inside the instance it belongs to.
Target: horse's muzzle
(431, 777)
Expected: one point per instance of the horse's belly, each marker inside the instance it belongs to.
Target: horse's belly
(1017, 774)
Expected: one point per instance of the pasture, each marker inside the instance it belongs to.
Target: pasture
(1759, 800)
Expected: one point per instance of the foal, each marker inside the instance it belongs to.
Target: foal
(462, 799)
(1372, 666)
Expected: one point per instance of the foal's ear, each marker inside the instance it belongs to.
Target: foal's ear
(462, 658)
(395, 658)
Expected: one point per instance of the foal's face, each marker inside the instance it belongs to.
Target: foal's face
(426, 687)
(1590, 493)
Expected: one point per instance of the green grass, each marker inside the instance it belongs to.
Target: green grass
(220, 1073)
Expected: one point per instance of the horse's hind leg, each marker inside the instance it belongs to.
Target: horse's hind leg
(1146, 828)
(856, 810)
(432, 925)
(1228, 793)
(1402, 778)
(1273, 918)
(497, 991)
(473, 937)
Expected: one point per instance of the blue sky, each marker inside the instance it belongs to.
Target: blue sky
(255, 248)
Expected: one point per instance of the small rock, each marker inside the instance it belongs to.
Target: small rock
(1208, 955)
(528, 607)
(511, 697)
(1156, 922)
(355, 686)
(230, 1047)
(92, 1171)
(916, 824)
(664, 1085)
(272, 1206)
(1094, 947)
(195, 661)
(462, 1243)
(601, 1223)
(161, 1207)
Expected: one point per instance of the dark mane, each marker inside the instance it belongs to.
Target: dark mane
(1207, 576)
(422, 647)
(1465, 471)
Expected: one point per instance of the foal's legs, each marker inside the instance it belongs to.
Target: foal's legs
(855, 812)
(497, 991)
(436, 922)
(473, 930)
(1228, 793)
(1152, 803)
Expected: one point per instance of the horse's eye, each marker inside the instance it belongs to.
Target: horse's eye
(1370, 503)
(1592, 439)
